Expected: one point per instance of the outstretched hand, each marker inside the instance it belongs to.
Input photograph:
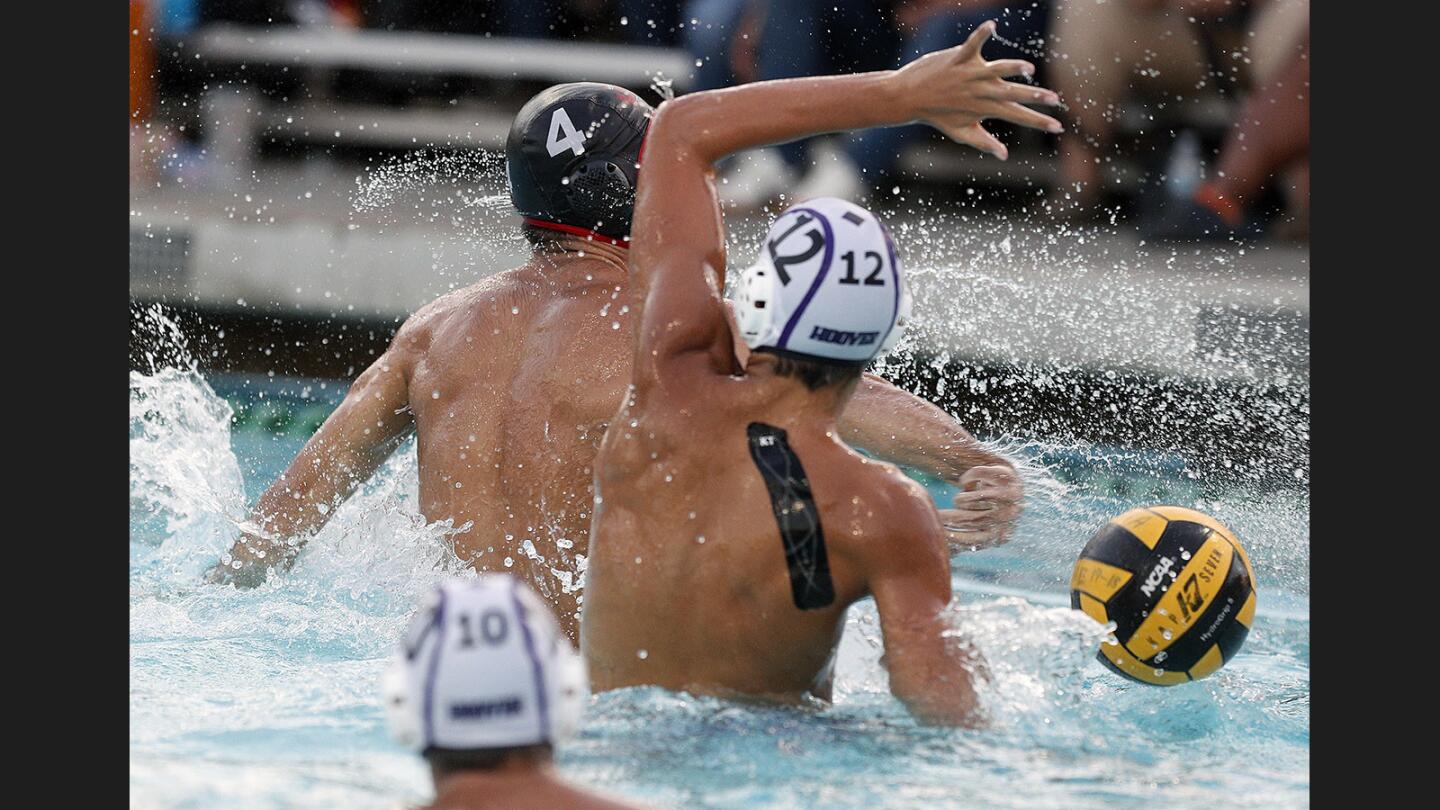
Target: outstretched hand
(954, 90)
(985, 510)
(257, 557)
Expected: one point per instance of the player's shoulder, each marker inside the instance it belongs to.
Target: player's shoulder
(909, 501)
(894, 508)
(886, 480)
(485, 298)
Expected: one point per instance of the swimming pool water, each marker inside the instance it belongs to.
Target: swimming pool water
(268, 698)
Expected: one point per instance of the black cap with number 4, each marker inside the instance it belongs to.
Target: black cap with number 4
(573, 157)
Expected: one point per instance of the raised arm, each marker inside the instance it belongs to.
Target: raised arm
(902, 428)
(678, 228)
(349, 447)
(932, 670)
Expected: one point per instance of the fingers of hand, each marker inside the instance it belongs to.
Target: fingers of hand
(976, 136)
(1026, 117)
(1005, 68)
(989, 474)
(986, 499)
(962, 541)
(975, 41)
(1025, 94)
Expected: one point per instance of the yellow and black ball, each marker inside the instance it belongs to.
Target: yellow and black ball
(1179, 588)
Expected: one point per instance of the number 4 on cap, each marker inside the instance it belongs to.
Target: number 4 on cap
(560, 125)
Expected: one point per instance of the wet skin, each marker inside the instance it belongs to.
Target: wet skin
(688, 585)
(509, 385)
(531, 364)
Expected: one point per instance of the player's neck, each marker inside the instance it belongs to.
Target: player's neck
(795, 405)
(572, 249)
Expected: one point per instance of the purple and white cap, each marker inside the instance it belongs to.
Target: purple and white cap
(484, 664)
(827, 286)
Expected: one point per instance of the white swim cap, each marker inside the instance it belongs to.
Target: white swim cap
(484, 665)
(827, 286)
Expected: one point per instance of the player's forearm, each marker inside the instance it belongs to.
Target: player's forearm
(302, 499)
(905, 429)
(716, 123)
(327, 471)
(297, 505)
(933, 675)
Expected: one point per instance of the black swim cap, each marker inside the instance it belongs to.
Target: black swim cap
(572, 158)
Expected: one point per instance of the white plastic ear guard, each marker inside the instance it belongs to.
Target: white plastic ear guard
(401, 711)
(759, 311)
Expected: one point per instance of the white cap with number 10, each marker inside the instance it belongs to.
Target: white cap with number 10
(484, 665)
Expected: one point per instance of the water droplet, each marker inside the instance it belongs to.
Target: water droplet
(642, 654)
(509, 562)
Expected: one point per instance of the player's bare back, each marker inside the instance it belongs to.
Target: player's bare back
(512, 382)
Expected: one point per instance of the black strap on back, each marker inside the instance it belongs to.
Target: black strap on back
(795, 513)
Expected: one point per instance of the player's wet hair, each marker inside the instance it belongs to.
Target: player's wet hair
(542, 238)
(817, 374)
(446, 761)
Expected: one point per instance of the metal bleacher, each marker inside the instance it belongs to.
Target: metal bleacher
(482, 120)
(316, 53)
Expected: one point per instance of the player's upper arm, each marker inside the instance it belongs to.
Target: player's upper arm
(677, 260)
(909, 575)
(375, 414)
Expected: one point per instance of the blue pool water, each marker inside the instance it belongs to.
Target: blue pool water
(268, 698)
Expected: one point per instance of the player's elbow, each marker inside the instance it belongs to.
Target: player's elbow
(680, 128)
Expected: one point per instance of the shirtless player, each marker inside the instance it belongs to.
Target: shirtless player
(733, 527)
(509, 383)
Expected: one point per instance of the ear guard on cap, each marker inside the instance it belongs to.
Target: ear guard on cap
(759, 310)
(402, 708)
(600, 189)
(402, 712)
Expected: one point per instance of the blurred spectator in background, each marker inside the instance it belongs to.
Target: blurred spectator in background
(142, 95)
(245, 12)
(870, 158)
(1104, 52)
(636, 22)
(713, 36)
(1270, 138)
(737, 41)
